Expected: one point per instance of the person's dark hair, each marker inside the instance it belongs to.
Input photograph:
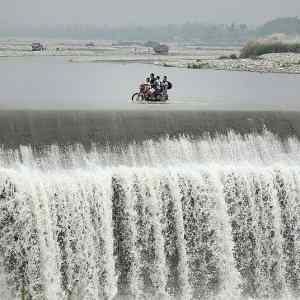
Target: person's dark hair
(152, 75)
(157, 77)
(166, 77)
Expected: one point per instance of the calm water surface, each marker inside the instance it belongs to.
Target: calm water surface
(55, 83)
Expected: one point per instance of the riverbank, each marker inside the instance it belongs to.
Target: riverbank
(288, 63)
(179, 56)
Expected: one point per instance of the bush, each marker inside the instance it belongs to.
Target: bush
(197, 66)
(167, 65)
(254, 49)
(233, 56)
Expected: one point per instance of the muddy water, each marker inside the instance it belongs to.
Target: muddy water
(53, 83)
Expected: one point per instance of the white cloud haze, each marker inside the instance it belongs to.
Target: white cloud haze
(141, 12)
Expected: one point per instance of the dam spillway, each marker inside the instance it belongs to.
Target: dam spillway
(126, 126)
(129, 205)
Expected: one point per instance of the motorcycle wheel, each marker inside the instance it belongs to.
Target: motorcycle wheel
(137, 97)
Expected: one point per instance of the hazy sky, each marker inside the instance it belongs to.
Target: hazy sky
(133, 12)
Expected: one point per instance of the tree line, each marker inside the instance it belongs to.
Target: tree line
(200, 33)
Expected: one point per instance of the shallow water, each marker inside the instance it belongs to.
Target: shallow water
(54, 83)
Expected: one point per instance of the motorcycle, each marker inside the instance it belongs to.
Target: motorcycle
(146, 95)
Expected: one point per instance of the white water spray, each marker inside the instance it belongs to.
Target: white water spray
(211, 218)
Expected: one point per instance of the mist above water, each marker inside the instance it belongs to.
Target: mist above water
(115, 13)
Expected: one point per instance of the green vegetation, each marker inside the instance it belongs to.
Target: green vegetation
(231, 56)
(223, 57)
(254, 49)
(24, 294)
(198, 65)
(165, 64)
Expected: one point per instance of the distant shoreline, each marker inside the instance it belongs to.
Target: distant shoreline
(266, 64)
(179, 56)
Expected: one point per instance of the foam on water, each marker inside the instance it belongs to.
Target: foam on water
(209, 218)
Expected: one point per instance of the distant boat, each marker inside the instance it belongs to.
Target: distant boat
(37, 47)
(161, 49)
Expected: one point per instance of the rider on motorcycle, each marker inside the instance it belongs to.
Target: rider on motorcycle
(153, 89)
(147, 87)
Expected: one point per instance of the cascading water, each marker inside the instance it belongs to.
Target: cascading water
(205, 218)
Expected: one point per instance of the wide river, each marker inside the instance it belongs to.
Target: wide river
(55, 83)
(147, 203)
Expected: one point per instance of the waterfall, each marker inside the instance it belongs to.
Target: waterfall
(182, 218)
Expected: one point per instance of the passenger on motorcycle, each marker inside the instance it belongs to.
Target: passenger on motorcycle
(147, 87)
(157, 86)
(154, 89)
(152, 80)
(147, 82)
(165, 85)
